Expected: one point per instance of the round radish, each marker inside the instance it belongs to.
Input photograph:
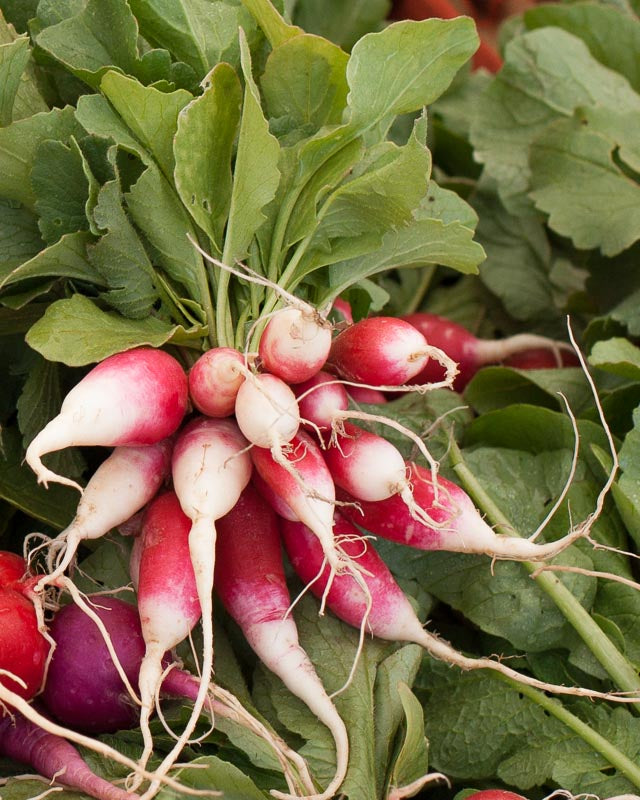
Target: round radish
(12, 568)
(267, 411)
(295, 344)
(23, 649)
(214, 381)
(320, 399)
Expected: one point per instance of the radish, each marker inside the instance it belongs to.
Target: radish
(319, 400)
(251, 583)
(53, 757)
(456, 523)
(123, 484)
(495, 794)
(363, 394)
(210, 469)
(384, 351)
(267, 411)
(541, 358)
(471, 353)
(388, 614)
(12, 568)
(133, 398)
(23, 649)
(295, 344)
(214, 381)
(167, 597)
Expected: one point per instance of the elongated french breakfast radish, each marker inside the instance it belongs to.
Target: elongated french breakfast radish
(457, 525)
(251, 583)
(167, 597)
(123, 484)
(295, 344)
(214, 381)
(383, 351)
(469, 352)
(267, 411)
(390, 615)
(133, 398)
(23, 649)
(53, 757)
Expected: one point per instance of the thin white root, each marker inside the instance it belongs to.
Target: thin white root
(411, 789)
(590, 573)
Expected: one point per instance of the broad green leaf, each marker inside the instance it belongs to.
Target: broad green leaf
(340, 22)
(98, 117)
(219, 775)
(61, 189)
(272, 23)
(413, 761)
(20, 237)
(201, 33)
(102, 36)
(576, 181)
(54, 506)
(547, 74)
(203, 150)
(618, 356)
(256, 174)
(599, 25)
(406, 66)
(50, 12)
(76, 332)
(150, 114)
(67, 258)
(304, 82)
(21, 789)
(19, 12)
(14, 57)
(19, 143)
(120, 259)
(158, 212)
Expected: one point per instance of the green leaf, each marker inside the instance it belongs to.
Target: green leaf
(14, 57)
(76, 332)
(19, 143)
(575, 179)
(54, 506)
(626, 490)
(120, 259)
(98, 117)
(618, 356)
(272, 23)
(20, 237)
(304, 82)
(219, 775)
(203, 149)
(103, 35)
(21, 789)
(546, 75)
(256, 174)
(151, 115)
(406, 66)
(342, 23)
(412, 761)
(158, 212)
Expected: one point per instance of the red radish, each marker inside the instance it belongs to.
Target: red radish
(23, 649)
(123, 484)
(53, 757)
(494, 794)
(251, 583)
(167, 596)
(390, 615)
(12, 568)
(469, 352)
(362, 394)
(541, 358)
(267, 411)
(214, 381)
(457, 525)
(320, 399)
(295, 344)
(342, 310)
(379, 351)
(132, 398)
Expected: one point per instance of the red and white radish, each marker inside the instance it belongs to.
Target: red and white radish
(384, 351)
(214, 381)
(366, 395)
(471, 353)
(54, 758)
(133, 398)
(295, 344)
(123, 484)
(320, 399)
(251, 583)
(12, 568)
(267, 411)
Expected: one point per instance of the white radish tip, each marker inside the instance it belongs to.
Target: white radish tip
(45, 475)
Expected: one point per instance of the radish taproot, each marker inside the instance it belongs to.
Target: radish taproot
(54, 758)
(137, 397)
(470, 352)
(295, 344)
(214, 381)
(251, 583)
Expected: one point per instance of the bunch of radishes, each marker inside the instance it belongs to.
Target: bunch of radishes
(270, 453)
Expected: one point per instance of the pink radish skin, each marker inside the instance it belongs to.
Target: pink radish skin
(133, 398)
(458, 527)
(342, 310)
(295, 344)
(12, 568)
(379, 351)
(361, 394)
(123, 484)
(267, 411)
(469, 352)
(251, 583)
(214, 381)
(53, 757)
(167, 596)
(23, 649)
(319, 399)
